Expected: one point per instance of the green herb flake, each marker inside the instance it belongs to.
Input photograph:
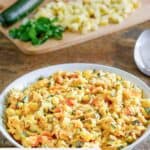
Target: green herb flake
(50, 96)
(13, 33)
(79, 87)
(25, 99)
(120, 147)
(113, 126)
(98, 74)
(41, 78)
(79, 144)
(135, 122)
(94, 70)
(147, 110)
(17, 104)
(24, 134)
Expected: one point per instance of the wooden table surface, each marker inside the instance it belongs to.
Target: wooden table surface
(113, 50)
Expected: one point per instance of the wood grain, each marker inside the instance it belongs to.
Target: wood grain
(140, 15)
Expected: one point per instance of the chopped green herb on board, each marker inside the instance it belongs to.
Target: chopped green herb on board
(38, 31)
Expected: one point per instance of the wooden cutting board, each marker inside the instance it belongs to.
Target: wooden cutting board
(140, 15)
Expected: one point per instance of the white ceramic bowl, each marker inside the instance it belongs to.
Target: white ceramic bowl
(25, 80)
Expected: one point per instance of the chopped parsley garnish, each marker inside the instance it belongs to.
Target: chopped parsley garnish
(120, 147)
(113, 126)
(147, 110)
(135, 122)
(38, 31)
(79, 87)
(40, 78)
(25, 99)
(79, 144)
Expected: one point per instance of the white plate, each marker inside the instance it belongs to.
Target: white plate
(25, 80)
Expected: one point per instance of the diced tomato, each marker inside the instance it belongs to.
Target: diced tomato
(73, 76)
(55, 88)
(91, 88)
(57, 110)
(47, 134)
(94, 90)
(38, 141)
(59, 80)
(70, 102)
(94, 102)
(128, 111)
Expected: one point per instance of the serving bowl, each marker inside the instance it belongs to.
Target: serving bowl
(28, 78)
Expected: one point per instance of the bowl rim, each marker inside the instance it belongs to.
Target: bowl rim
(65, 67)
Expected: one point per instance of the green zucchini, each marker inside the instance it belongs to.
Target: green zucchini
(17, 11)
